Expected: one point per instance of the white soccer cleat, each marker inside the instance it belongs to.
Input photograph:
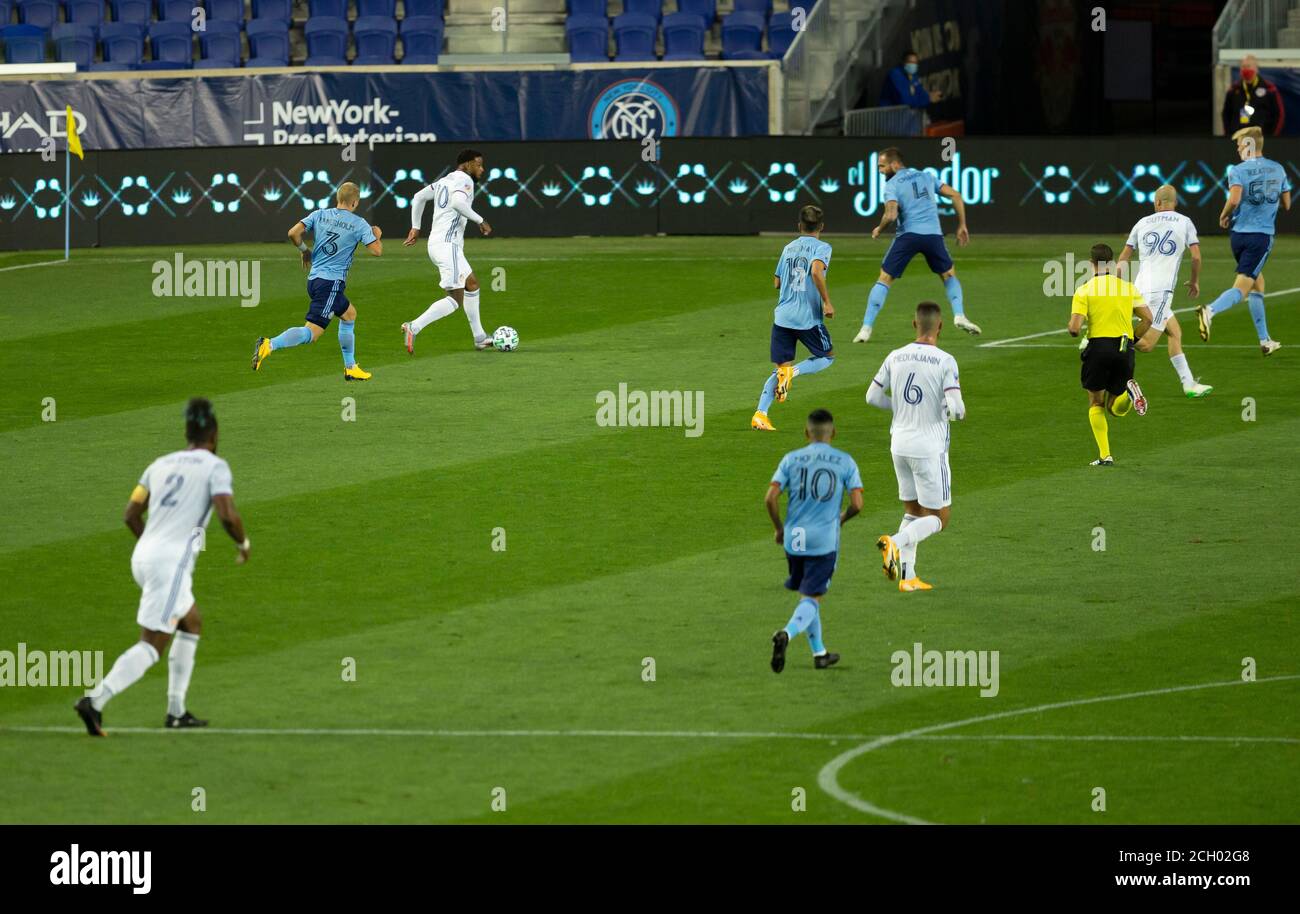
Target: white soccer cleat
(965, 323)
(1268, 347)
(409, 337)
(864, 335)
(1135, 394)
(1204, 317)
(1197, 390)
(483, 342)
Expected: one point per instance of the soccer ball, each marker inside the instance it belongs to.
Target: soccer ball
(505, 339)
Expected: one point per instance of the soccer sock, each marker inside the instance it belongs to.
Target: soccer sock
(180, 667)
(769, 394)
(1184, 372)
(813, 365)
(437, 311)
(347, 343)
(907, 554)
(294, 336)
(1226, 300)
(919, 529)
(1256, 302)
(953, 288)
(804, 613)
(471, 313)
(126, 671)
(875, 301)
(815, 632)
(1121, 404)
(1097, 419)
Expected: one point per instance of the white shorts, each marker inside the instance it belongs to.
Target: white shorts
(924, 479)
(167, 594)
(453, 268)
(1162, 308)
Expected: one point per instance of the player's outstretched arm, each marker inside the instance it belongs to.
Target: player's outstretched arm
(877, 397)
(1286, 200)
(135, 509)
(773, 502)
(889, 215)
(233, 524)
(296, 235)
(1229, 205)
(854, 508)
(956, 406)
(819, 281)
(376, 247)
(958, 204)
(1194, 284)
(422, 196)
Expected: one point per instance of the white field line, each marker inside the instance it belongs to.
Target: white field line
(43, 263)
(828, 777)
(1075, 346)
(1033, 336)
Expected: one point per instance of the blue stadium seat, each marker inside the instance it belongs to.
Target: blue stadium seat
(376, 38)
(334, 9)
(423, 8)
(219, 45)
(754, 6)
(121, 43)
(421, 39)
(634, 36)
(384, 8)
(588, 8)
(780, 34)
(44, 14)
(706, 9)
(268, 43)
(172, 43)
(23, 43)
(742, 37)
(327, 41)
(588, 38)
(132, 10)
(176, 10)
(684, 36)
(224, 10)
(85, 12)
(652, 8)
(75, 43)
(6, 12)
(273, 9)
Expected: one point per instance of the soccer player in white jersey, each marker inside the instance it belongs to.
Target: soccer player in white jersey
(1161, 239)
(918, 384)
(451, 196)
(179, 491)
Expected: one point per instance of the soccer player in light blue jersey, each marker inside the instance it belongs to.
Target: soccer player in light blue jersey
(815, 479)
(1255, 188)
(911, 198)
(336, 233)
(801, 310)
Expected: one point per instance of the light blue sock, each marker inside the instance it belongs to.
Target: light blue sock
(815, 634)
(769, 394)
(294, 336)
(813, 365)
(1256, 302)
(804, 615)
(1225, 301)
(875, 301)
(348, 342)
(953, 288)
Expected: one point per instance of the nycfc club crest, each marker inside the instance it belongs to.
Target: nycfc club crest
(631, 109)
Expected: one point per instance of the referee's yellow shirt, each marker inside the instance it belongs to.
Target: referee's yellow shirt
(1107, 302)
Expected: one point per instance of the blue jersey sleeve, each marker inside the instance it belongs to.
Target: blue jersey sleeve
(889, 193)
(782, 475)
(365, 234)
(1234, 176)
(824, 254)
(852, 478)
(309, 220)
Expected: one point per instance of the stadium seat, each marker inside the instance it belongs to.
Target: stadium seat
(85, 12)
(172, 43)
(706, 9)
(44, 14)
(634, 36)
(121, 43)
(6, 12)
(754, 6)
(385, 8)
(684, 36)
(23, 43)
(652, 8)
(333, 9)
(176, 10)
(742, 37)
(415, 8)
(588, 8)
(376, 38)
(132, 11)
(75, 43)
(588, 38)
(421, 39)
(268, 43)
(780, 34)
(219, 45)
(273, 9)
(327, 41)
(224, 10)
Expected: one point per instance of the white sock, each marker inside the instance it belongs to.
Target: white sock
(133, 663)
(906, 554)
(917, 530)
(437, 311)
(471, 312)
(1184, 372)
(180, 667)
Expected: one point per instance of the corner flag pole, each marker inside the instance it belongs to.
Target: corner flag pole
(74, 148)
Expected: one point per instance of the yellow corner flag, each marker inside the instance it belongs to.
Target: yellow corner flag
(74, 141)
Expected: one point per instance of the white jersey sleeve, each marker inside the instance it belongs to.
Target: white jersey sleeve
(1191, 232)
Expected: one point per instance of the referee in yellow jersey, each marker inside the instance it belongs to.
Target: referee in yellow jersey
(1108, 302)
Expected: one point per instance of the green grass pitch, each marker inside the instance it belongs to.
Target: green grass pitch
(522, 669)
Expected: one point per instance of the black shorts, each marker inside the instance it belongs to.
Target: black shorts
(1105, 366)
(327, 300)
(810, 574)
(815, 339)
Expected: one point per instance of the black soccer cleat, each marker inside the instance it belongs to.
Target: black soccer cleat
(93, 720)
(822, 661)
(184, 722)
(780, 641)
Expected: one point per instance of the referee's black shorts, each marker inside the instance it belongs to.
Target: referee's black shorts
(1107, 364)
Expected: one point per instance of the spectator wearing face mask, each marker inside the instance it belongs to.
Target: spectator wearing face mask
(1253, 101)
(903, 87)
